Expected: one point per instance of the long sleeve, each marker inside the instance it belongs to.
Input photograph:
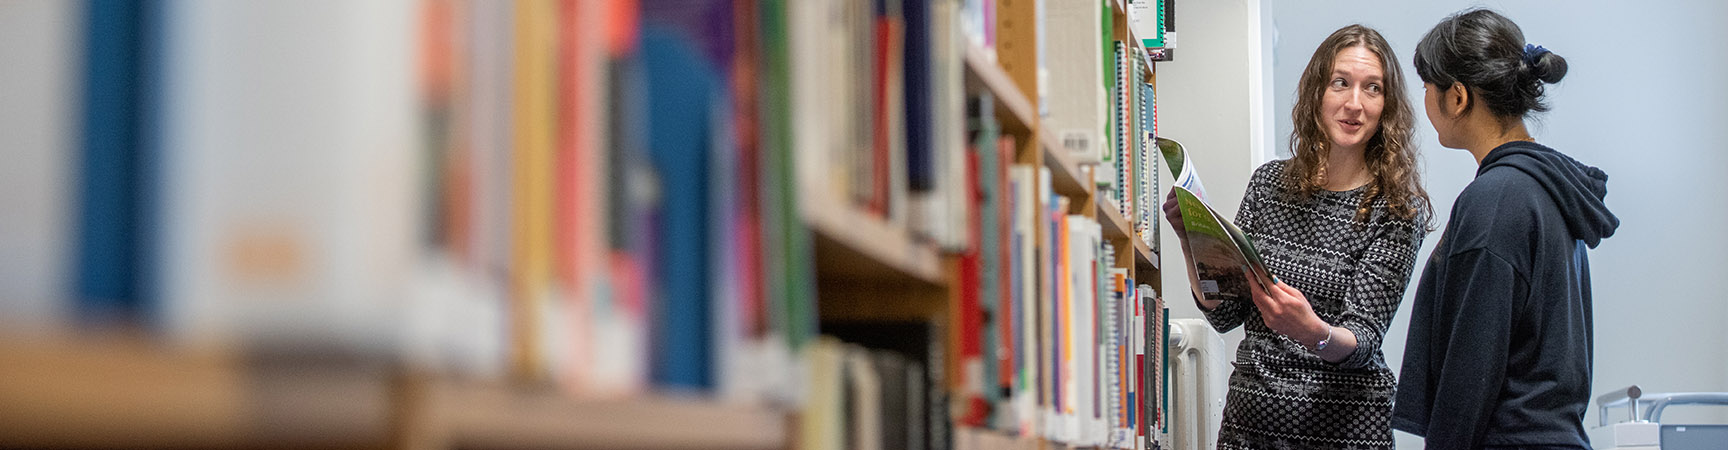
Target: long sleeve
(1466, 349)
(1229, 314)
(1377, 287)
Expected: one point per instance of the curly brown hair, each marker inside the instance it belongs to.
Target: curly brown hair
(1391, 154)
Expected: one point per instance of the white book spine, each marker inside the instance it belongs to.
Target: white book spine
(306, 238)
(38, 131)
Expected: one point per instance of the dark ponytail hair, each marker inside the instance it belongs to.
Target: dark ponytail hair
(1486, 52)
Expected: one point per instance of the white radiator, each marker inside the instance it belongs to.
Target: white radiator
(1200, 374)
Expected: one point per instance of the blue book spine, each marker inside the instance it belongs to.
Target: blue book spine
(681, 86)
(920, 154)
(116, 151)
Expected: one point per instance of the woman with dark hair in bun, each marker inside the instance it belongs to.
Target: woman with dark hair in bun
(1500, 330)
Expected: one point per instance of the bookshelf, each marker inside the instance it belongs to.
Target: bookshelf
(1065, 174)
(1013, 108)
(854, 245)
(1118, 228)
(834, 248)
(1069, 178)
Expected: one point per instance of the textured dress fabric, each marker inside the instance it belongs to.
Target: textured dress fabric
(1354, 272)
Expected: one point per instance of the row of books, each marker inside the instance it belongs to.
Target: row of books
(612, 165)
(882, 81)
(862, 399)
(596, 194)
(1131, 165)
(1056, 338)
(1105, 117)
(876, 385)
(877, 87)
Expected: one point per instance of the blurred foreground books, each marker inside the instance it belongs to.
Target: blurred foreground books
(510, 219)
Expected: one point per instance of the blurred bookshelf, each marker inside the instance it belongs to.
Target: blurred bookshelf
(1064, 171)
(127, 391)
(733, 224)
(449, 414)
(866, 247)
(1013, 108)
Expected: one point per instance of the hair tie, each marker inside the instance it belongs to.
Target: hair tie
(1533, 53)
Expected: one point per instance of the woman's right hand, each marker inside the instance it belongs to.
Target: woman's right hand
(1173, 214)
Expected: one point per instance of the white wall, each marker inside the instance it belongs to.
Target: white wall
(1213, 99)
(1645, 100)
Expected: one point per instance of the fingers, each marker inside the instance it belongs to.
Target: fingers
(1254, 289)
(1173, 211)
(1261, 297)
(1290, 292)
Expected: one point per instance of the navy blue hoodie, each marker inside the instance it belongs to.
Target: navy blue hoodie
(1500, 331)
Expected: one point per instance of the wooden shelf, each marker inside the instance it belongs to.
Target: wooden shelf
(116, 392)
(112, 391)
(880, 302)
(968, 438)
(852, 244)
(1012, 105)
(490, 415)
(1144, 256)
(1117, 228)
(1066, 178)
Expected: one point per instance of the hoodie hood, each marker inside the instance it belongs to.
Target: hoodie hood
(1577, 189)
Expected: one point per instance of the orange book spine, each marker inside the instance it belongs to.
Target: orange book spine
(533, 133)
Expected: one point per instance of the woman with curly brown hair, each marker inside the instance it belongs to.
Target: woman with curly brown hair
(1339, 225)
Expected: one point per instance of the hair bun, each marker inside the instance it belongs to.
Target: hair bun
(1545, 65)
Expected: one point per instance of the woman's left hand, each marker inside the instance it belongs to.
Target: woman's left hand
(1287, 312)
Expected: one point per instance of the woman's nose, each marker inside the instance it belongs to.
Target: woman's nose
(1354, 102)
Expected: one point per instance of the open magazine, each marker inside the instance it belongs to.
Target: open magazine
(1221, 259)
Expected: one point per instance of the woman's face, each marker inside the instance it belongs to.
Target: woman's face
(1355, 96)
(1432, 96)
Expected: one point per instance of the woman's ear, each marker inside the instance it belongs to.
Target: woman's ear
(1456, 101)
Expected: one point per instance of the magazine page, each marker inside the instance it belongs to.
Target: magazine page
(1184, 172)
(1221, 258)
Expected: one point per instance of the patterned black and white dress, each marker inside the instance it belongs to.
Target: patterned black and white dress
(1354, 273)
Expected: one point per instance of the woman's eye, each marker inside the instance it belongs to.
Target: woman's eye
(1337, 82)
(1374, 88)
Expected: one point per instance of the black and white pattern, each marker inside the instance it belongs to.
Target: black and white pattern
(1354, 273)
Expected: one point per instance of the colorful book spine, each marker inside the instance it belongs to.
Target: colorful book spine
(579, 208)
(681, 88)
(119, 145)
(1008, 313)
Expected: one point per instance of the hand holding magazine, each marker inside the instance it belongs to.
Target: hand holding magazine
(1221, 259)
